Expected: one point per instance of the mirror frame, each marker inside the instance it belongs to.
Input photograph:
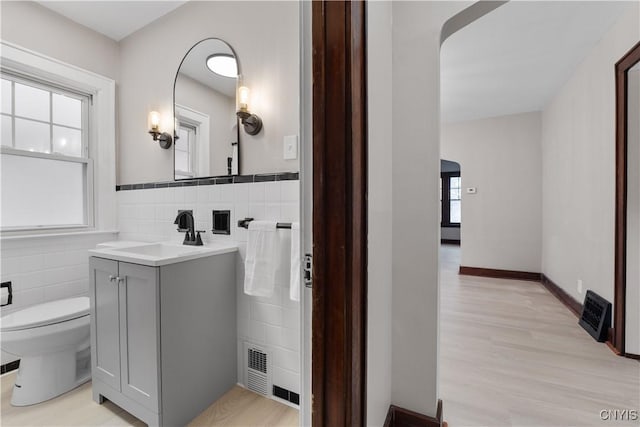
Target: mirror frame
(631, 58)
(175, 80)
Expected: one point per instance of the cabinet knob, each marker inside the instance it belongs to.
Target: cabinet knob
(112, 278)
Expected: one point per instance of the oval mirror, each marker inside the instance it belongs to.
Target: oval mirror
(204, 107)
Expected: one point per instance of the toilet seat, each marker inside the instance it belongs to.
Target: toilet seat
(45, 314)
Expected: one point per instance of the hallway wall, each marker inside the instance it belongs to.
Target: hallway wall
(578, 186)
(416, 37)
(501, 158)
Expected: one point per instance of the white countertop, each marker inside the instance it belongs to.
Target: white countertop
(159, 253)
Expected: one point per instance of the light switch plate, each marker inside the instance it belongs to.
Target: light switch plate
(472, 190)
(290, 147)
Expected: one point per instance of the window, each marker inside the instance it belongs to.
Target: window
(450, 199)
(44, 148)
(184, 150)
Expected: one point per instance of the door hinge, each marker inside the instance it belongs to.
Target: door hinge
(308, 270)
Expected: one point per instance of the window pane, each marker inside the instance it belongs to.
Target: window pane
(182, 161)
(454, 194)
(6, 96)
(182, 144)
(183, 138)
(6, 131)
(67, 111)
(454, 211)
(455, 182)
(50, 192)
(67, 141)
(32, 102)
(32, 136)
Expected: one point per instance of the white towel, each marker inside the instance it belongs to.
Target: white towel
(294, 280)
(262, 258)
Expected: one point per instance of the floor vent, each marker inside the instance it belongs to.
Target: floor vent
(257, 373)
(287, 395)
(596, 316)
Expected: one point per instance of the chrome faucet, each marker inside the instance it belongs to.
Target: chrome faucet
(192, 236)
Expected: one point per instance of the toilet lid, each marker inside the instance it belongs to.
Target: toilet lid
(45, 314)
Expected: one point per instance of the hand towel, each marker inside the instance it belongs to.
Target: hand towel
(262, 258)
(294, 280)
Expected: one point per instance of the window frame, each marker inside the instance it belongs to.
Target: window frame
(191, 149)
(102, 206)
(200, 160)
(85, 158)
(446, 199)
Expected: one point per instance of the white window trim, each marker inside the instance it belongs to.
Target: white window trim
(201, 122)
(102, 129)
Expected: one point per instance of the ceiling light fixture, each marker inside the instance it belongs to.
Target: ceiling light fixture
(223, 64)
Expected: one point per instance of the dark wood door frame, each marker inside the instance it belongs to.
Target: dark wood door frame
(339, 214)
(622, 66)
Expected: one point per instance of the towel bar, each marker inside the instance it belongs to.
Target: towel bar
(244, 223)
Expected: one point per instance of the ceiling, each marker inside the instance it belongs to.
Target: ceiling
(115, 19)
(514, 59)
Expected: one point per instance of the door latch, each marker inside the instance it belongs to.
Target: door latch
(308, 270)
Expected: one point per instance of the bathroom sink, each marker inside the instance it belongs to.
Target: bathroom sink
(160, 250)
(163, 253)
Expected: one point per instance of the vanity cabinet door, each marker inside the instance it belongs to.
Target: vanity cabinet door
(105, 322)
(139, 339)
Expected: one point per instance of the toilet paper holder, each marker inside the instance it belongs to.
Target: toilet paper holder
(9, 293)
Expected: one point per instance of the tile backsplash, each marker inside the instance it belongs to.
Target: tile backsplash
(273, 323)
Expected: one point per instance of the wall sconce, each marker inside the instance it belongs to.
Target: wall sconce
(163, 138)
(251, 122)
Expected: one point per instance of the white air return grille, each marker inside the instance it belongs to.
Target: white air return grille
(257, 373)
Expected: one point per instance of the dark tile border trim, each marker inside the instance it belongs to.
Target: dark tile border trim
(500, 274)
(8, 367)
(400, 417)
(237, 179)
(450, 242)
(565, 298)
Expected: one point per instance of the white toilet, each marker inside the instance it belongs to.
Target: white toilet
(52, 342)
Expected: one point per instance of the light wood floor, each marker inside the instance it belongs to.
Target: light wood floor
(237, 408)
(512, 355)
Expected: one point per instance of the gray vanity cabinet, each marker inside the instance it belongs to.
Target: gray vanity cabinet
(163, 339)
(139, 321)
(105, 322)
(124, 335)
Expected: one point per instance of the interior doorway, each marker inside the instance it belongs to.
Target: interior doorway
(450, 202)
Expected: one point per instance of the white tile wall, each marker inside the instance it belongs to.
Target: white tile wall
(46, 268)
(274, 322)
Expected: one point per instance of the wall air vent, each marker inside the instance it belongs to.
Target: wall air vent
(596, 316)
(257, 372)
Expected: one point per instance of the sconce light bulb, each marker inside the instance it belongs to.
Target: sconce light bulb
(154, 120)
(243, 98)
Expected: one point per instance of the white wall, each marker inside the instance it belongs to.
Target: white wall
(578, 158)
(415, 225)
(379, 20)
(501, 157)
(35, 27)
(632, 313)
(148, 215)
(265, 36)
